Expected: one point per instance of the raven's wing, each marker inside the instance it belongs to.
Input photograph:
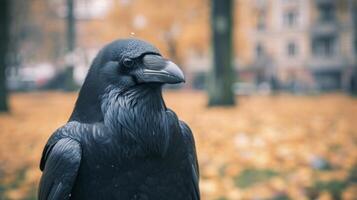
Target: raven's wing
(190, 142)
(60, 162)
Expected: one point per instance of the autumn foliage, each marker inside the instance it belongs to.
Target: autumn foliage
(280, 147)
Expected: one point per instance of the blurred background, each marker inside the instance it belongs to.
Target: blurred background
(269, 91)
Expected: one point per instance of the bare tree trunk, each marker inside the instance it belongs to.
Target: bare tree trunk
(4, 45)
(222, 75)
(353, 82)
(71, 45)
(71, 26)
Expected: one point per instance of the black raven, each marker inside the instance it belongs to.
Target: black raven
(121, 141)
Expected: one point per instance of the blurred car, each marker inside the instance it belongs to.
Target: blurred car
(29, 77)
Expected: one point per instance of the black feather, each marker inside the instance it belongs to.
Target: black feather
(121, 142)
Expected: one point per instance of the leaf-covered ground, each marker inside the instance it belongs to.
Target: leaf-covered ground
(282, 147)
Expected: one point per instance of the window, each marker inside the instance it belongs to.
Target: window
(259, 50)
(327, 12)
(292, 49)
(290, 18)
(324, 46)
(261, 21)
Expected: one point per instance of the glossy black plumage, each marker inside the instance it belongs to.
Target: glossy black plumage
(121, 141)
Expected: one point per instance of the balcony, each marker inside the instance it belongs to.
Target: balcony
(327, 20)
(324, 2)
(327, 63)
(325, 28)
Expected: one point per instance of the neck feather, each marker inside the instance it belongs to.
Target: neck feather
(138, 115)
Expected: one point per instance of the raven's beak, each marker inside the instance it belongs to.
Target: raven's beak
(158, 70)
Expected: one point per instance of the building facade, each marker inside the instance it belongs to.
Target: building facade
(304, 44)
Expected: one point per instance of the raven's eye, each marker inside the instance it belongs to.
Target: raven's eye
(128, 62)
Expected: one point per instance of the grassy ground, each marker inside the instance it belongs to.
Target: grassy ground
(280, 147)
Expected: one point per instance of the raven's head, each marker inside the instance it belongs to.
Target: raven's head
(129, 63)
(123, 65)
